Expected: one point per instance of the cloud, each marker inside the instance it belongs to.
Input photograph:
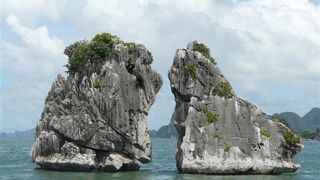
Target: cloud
(269, 50)
(37, 38)
(27, 70)
(267, 43)
(32, 10)
(280, 45)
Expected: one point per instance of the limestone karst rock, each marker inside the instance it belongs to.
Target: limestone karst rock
(95, 119)
(219, 132)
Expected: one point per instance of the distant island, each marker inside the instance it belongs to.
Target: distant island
(28, 134)
(306, 126)
(167, 131)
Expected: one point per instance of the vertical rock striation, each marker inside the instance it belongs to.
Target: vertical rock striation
(219, 132)
(95, 119)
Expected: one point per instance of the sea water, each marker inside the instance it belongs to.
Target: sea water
(15, 163)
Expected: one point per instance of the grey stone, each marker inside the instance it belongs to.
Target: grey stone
(83, 127)
(233, 144)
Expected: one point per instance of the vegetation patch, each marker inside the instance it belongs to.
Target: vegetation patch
(97, 84)
(213, 60)
(291, 138)
(104, 115)
(77, 61)
(227, 149)
(130, 48)
(201, 48)
(223, 89)
(211, 116)
(275, 120)
(191, 70)
(100, 48)
(217, 135)
(128, 44)
(265, 132)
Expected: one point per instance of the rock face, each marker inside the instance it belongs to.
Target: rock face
(95, 119)
(220, 133)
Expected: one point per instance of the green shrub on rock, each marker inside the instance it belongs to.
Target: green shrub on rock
(213, 60)
(77, 61)
(291, 138)
(191, 70)
(128, 44)
(102, 46)
(130, 48)
(104, 115)
(201, 48)
(265, 132)
(217, 135)
(211, 116)
(97, 84)
(223, 89)
(275, 120)
(227, 149)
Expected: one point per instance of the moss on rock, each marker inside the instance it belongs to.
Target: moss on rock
(291, 138)
(97, 84)
(227, 149)
(223, 89)
(101, 47)
(201, 48)
(265, 132)
(211, 116)
(191, 70)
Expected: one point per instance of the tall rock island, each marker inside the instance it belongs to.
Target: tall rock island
(95, 119)
(219, 132)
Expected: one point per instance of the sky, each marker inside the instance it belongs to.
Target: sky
(269, 50)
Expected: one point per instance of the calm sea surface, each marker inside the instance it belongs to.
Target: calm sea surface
(16, 164)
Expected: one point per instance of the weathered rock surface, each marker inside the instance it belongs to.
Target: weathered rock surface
(96, 120)
(220, 133)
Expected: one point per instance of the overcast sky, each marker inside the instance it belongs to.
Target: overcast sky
(269, 50)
